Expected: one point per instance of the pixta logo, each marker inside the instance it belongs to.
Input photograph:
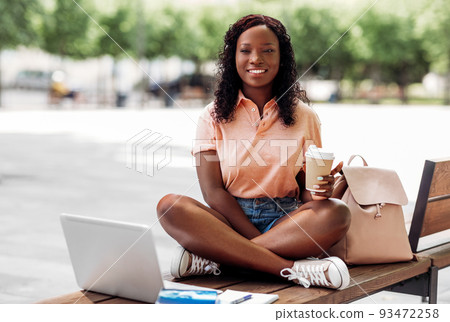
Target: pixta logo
(148, 152)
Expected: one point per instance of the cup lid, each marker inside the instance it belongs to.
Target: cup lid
(319, 153)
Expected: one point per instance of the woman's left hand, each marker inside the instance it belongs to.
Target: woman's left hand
(327, 184)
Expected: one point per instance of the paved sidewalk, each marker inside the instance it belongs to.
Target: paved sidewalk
(74, 161)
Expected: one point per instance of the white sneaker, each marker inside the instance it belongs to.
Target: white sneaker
(199, 266)
(329, 272)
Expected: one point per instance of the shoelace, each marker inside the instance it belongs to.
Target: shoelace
(201, 266)
(306, 275)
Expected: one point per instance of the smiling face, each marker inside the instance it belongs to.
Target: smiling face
(257, 58)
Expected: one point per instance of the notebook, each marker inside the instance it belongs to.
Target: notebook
(238, 297)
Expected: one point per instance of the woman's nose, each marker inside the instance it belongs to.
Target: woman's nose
(255, 58)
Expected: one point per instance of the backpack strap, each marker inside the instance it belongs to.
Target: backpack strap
(357, 155)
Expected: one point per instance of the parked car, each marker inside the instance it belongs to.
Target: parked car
(33, 79)
(192, 86)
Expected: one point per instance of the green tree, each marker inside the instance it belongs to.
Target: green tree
(314, 33)
(389, 50)
(65, 31)
(437, 40)
(204, 40)
(17, 24)
(118, 41)
(121, 28)
(320, 43)
(195, 35)
(163, 32)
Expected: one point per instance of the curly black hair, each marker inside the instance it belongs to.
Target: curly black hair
(286, 88)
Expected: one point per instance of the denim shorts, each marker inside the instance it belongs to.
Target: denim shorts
(264, 212)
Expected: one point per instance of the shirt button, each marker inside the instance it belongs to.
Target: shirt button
(253, 109)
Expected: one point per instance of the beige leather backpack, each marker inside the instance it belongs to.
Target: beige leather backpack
(377, 232)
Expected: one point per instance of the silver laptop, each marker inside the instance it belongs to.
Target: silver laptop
(113, 257)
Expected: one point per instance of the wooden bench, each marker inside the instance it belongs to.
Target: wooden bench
(432, 216)
(418, 277)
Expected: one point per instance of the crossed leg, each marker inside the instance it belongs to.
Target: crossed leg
(307, 231)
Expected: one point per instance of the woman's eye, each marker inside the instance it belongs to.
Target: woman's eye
(269, 50)
(244, 51)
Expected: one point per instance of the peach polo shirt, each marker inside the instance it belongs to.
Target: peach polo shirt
(259, 156)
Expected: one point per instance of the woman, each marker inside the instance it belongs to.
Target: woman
(249, 151)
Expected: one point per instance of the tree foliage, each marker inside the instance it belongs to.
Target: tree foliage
(436, 35)
(311, 31)
(319, 42)
(65, 30)
(120, 28)
(437, 40)
(165, 31)
(208, 35)
(18, 22)
(389, 49)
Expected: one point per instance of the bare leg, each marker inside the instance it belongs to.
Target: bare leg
(308, 230)
(206, 233)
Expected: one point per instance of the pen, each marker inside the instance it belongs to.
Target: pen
(242, 299)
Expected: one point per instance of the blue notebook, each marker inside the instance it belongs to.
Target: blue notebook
(168, 296)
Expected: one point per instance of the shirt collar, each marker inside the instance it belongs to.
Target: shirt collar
(241, 97)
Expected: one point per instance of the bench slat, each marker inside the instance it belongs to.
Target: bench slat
(211, 281)
(259, 286)
(300, 295)
(77, 297)
(119, 300)
(437, 217)
(440, 185)
(440, 255)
